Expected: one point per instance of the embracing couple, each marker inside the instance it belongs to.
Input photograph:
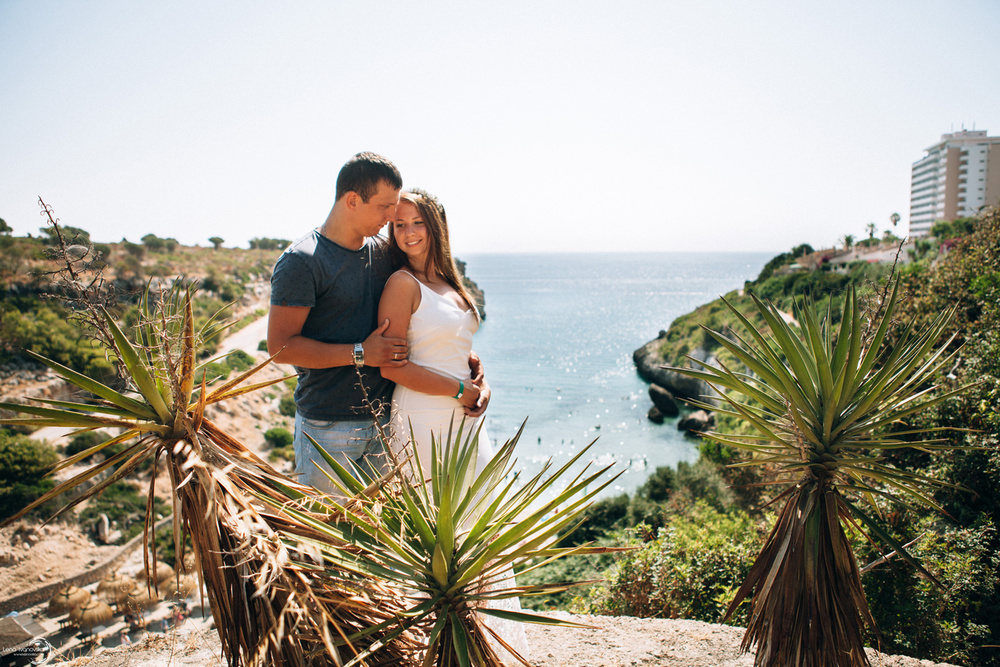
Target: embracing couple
(386, 322)
(356, 313)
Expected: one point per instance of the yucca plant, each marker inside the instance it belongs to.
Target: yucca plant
(449, 544)
(821, 400)
(400, 573)
(268, 607)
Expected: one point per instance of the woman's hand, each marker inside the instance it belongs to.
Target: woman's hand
(470, 396)
(479, 408)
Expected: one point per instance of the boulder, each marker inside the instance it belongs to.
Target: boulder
(664, 401)
(697, 421)
(654, 415)
(105, 535)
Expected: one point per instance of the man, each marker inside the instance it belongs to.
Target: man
(325, 291)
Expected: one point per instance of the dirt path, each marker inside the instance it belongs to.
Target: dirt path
(247, 338)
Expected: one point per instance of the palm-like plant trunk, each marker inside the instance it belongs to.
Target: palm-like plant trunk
(269, 607)
(807, 605)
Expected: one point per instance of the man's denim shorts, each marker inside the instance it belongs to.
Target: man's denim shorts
(348, 442)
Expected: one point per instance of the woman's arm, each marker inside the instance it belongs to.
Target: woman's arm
(400, 299)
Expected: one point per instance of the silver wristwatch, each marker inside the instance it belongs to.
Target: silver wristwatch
(359, 355)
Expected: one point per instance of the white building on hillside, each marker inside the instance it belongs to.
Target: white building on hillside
(959, 175)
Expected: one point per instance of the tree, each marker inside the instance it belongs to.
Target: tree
(870, 228)
(268, 244)
(894, 218)
(4, 227)
(848, 241)
(821, 400)
(152, 242)
(71, 235)
(216, 241)
(802, 250)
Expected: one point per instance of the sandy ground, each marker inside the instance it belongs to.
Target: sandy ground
(609, 642)
(32, 555)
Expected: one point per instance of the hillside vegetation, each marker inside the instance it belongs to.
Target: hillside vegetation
(36, 315)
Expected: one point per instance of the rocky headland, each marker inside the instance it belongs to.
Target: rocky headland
(668, 389)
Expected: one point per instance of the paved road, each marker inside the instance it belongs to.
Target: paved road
(245, 339)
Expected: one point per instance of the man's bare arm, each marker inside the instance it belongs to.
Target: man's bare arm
(284, 334)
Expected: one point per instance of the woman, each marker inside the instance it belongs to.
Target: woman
(426, 302)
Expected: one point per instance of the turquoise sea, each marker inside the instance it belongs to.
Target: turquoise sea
(557, 344)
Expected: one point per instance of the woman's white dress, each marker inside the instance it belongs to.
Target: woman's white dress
(440, 339)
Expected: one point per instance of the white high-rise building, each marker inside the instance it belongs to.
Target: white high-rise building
(959, 175)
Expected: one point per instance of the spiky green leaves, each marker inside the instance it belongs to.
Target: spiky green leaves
(447, 543)
(822, 397)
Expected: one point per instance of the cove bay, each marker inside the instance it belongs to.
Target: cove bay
(557, 345)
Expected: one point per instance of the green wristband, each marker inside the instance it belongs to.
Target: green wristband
(461, 389)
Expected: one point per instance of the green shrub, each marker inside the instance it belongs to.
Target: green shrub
(955, 622)
(239, 361)
(281, 454)
(601, 517)
(659, 485)
(262, 346)
(701, 480)
(690, 571)
(212, 372)
(278, 437)
(286, 405)
(86, 440)
(23, 465)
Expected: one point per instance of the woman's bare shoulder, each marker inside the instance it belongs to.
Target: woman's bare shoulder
(402, 280)
(402, 287)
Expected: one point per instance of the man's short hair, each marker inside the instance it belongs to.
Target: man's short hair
(362, 174)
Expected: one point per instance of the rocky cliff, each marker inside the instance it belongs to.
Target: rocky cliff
(650, 361)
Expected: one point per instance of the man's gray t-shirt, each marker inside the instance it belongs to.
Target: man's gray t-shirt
(342, 288)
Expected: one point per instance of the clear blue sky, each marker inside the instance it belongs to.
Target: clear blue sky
(578, 126)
